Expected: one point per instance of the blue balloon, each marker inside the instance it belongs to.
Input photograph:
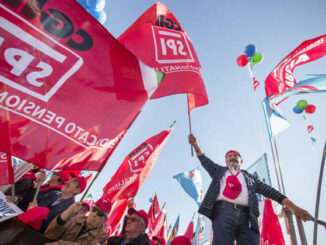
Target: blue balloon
(250, 50)
(99, 15)
(96, 5)
(151, 200)
(83, 3)
(297, 110)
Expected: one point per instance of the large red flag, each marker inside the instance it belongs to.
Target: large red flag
(163, 232)
(282, 78)
(6, 169)
(159, 40)
(134, 169)
(75, 85)
(153, 212)
(271, 232)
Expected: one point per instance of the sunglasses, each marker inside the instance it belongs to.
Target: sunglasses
(132, 219)
(98, 212)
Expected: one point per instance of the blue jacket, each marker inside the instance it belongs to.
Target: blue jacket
(254, 186)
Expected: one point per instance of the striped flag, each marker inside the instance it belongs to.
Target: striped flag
(174, 231)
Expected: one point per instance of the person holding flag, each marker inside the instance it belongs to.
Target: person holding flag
(231, 202)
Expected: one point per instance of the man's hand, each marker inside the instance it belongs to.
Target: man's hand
(12, 199)
(303, 214)
(32, 205)
(193, 142)
(73, 209)
(40, 177)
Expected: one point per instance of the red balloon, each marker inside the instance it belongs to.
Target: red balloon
(242, 60)
(310, 109)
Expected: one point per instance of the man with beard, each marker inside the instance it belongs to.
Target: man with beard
(231, 201)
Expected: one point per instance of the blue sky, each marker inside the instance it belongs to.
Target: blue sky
(234, 118)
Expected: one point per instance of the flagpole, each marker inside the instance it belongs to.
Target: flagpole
(189, 119)
(318, 193)
(89, 186)
(288, 215)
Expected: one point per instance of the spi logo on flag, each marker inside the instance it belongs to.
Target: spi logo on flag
(137, 158)
(171, 46)
(3, 157)
(34, 67)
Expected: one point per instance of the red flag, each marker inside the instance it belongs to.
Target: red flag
(310, 128)
(77, 87)
(190, 231)
(6, 169)
(153, 211)
(159, 40)
(271, 232)
(118, 209)
(159, 222)
(282, 78)
(163, 231)
(135, 168)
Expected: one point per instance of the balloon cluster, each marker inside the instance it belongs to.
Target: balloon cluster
(252, 58)
(95, 8)
(302, 105)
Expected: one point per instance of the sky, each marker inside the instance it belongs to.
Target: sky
(233, 119)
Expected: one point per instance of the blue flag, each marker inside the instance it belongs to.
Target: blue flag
(260, 168)
(191, 182)
(174, 231)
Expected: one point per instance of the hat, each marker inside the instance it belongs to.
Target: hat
(104, 204)
(181, 240)
(160, 239)
(141, 213)
(233, 151)
(63, 176)
(81, 180)
(34, 217)
(232, 188)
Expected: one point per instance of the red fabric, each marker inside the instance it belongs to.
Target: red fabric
(6, 169)
(104, 204)
(282, 78)
(117, 211)
(163, 232)
(233, 187)
(181, 240)
(191, 99)
(159, 40)
(190, 231)
(233, 151)
(141, 213)
(256, 83)
(310, 128)
(135, 168)
(76, 114)
(159, 222)
(153, 211)
(34, 217)
(271, 232)
(46, 187)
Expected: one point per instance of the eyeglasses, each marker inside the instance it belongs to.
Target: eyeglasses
(98, 212)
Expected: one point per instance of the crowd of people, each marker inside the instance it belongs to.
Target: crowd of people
(53, 216)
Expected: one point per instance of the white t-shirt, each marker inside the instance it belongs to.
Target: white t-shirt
(242, 199)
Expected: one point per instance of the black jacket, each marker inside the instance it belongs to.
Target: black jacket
(117, 240)
(254, 186)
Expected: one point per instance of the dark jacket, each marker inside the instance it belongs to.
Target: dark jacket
(47, 200)
(117, 240)
(254, 186)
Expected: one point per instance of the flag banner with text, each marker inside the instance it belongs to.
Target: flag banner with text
(282, 77)
(69, 90)
(135, 168)
(160, 41)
